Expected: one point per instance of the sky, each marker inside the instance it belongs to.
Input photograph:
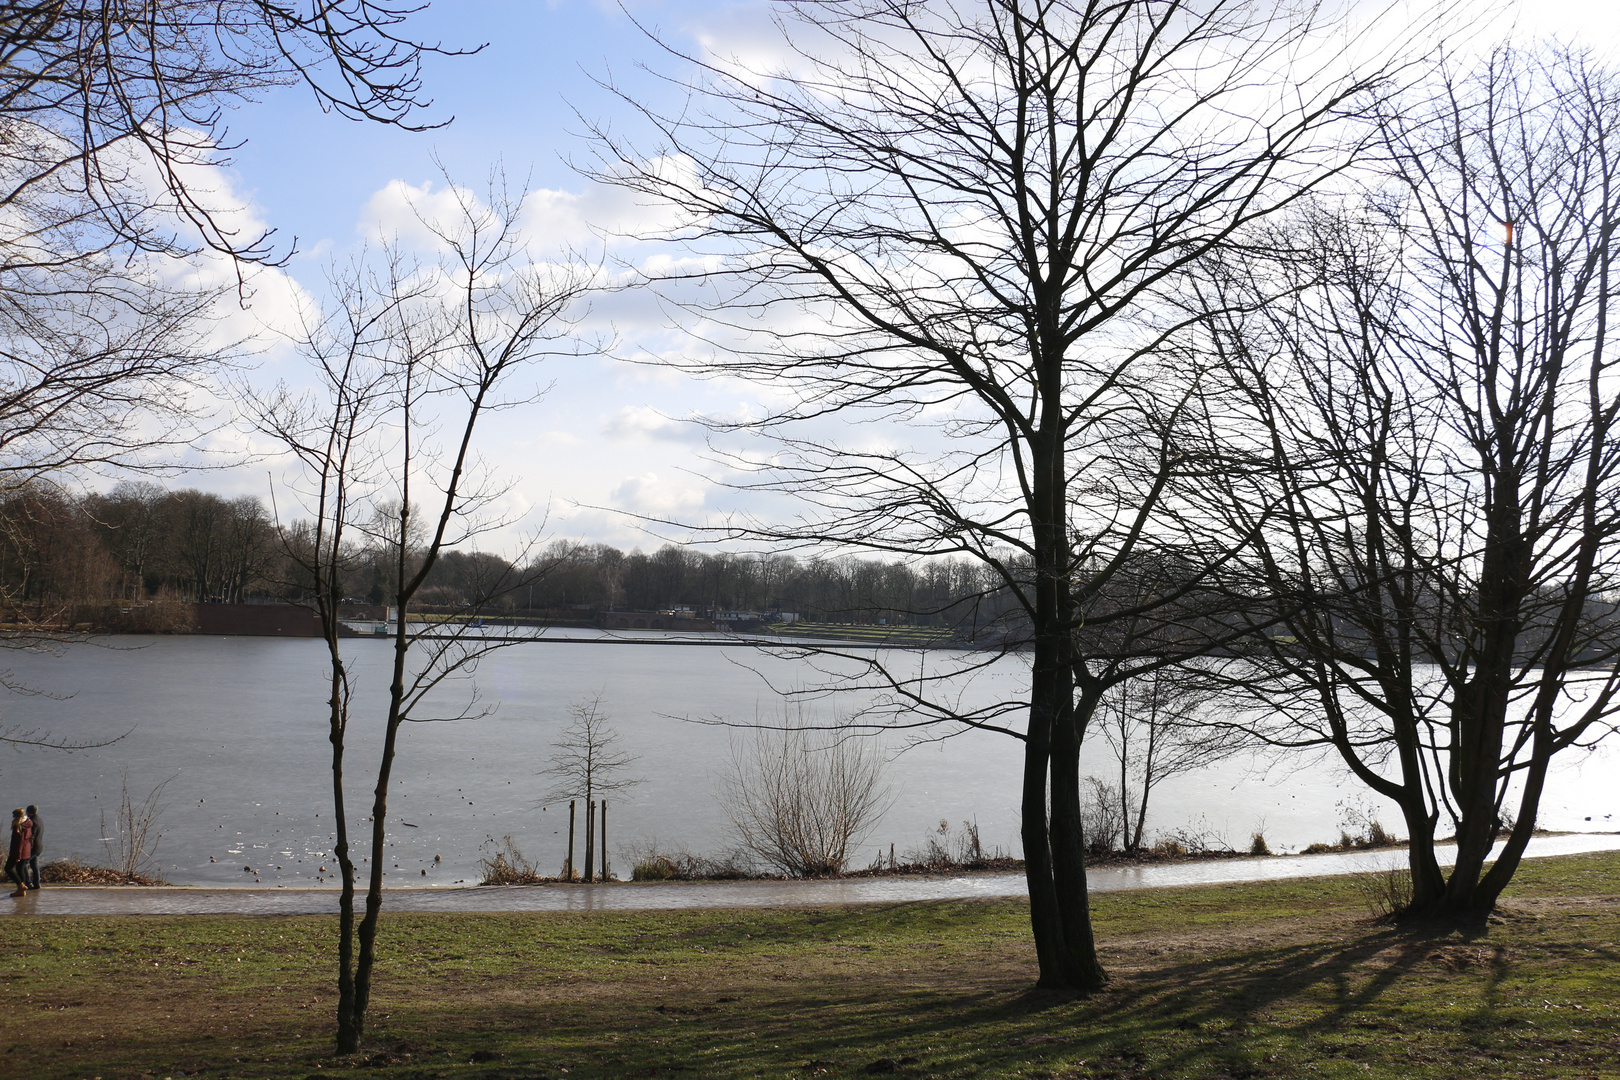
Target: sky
(600, 447)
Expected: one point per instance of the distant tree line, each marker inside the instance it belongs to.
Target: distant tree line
(135, 542)
(140, 542)
(939, 592)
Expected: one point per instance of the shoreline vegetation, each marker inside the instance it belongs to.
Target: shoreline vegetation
(71, 871)
(507, 866)
(945, 852)
(1261, 980)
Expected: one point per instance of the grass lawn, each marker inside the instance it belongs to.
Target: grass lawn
(1277, 980)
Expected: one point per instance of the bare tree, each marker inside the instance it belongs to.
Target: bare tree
(801, 797)
(409, 351)
(1155, 726)
(1429, 413)
(974, 209)
(587, 763)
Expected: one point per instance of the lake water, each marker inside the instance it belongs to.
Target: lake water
(239, 723)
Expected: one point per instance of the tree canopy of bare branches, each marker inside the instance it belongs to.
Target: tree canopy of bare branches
(113, 123)
(959, 218)
(587, 761)
(1429, 406)
(114, 111)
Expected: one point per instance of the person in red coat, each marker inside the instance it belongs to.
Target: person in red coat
(22, 849)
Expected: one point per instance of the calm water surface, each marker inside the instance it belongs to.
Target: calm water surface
(239, 723)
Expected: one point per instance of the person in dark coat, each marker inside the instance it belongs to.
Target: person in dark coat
(39, 848)
(22, 848)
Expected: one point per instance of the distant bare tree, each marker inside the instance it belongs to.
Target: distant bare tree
(1155, 727)
(588, 764)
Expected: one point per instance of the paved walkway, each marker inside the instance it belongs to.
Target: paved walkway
(188, 900)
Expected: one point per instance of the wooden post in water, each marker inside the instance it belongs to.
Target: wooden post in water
(590, 839)
(604, 841)
(568, 865)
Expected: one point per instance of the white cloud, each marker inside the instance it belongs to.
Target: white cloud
(404, 213)
(643, 423)
(653, 496)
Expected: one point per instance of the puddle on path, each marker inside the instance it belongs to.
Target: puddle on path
(650, 896)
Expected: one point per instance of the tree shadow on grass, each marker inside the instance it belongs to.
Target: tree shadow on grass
(867, 991)
(1198, 1014)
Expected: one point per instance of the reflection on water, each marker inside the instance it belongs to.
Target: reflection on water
(239, 723)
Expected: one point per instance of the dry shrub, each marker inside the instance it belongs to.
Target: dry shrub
(71, 871)
(1360, 831)
(1197, 838)
(802, 798)
(1387, 893)
(507, 866)
(654, 866)
(1375, 836)
(947, 849)
(1102, 817)
(132, 840)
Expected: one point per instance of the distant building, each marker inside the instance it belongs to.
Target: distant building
(681, 619)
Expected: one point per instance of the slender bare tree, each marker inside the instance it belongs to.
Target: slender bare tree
(1156, 726)
(1420, 433)
(958, 218)
(410, 351)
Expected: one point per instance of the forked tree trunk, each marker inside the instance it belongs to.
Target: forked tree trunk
(1046, 924)
(1060, 912)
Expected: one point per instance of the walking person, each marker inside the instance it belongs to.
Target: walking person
(22, 848)
(38, 848)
